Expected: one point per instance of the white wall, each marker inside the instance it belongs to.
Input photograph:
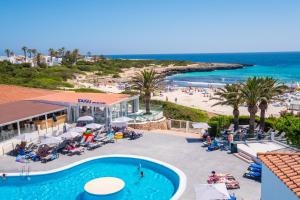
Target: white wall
(272, 188)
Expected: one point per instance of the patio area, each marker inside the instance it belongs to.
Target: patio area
(183, 152)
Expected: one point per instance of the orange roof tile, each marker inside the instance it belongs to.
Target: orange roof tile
(11, 93)
(72, 97)
(285, 167)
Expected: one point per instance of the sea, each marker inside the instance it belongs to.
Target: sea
(284, 66)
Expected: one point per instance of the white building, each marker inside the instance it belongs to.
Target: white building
(280, 176)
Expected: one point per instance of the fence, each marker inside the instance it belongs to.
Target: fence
(182, 125)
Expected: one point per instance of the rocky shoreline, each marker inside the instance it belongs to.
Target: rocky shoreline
(127, 74)
(198, 67)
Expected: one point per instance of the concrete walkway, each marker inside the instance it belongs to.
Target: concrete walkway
(183, 152)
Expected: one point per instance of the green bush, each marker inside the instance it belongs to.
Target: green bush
(214, 129)
(291, 126)
(175, 111)
(87, 90)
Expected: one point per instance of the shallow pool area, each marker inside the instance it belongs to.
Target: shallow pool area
(160, 180)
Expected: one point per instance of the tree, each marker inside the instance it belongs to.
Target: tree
(51, 54)
(231, 95)
(61, 52)
(34, 52)
(7, 52)
(89, 54)
(146, 82)
(75, 55)
(29, 51)
(271, 89)
(251, 93)
(24, 49)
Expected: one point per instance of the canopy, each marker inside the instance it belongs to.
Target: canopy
(94, 126)
(27, 137)
(121, 122)
(212, 192)
(51, 140)
(122, 119)
(78, 129)
(70, 135)
(201, 125)
(85, 118)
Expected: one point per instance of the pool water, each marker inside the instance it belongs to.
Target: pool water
(159, 182)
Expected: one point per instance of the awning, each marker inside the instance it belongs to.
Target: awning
(94, 126)
(50, 140)
(201, 125)
(70, 135)
(211, 192)
(85, 118)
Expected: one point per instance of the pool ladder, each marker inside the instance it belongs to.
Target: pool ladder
(24, 172)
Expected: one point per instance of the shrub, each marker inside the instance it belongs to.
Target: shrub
(175, 111)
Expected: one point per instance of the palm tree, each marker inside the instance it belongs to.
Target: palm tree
(51, 53)
(231, 95)
(251, 93)
(75, 54)
(61, 52)
(34, 52)
(29, 51)
(146, 82)
(7, 51)
(271, 89)
(24, 49)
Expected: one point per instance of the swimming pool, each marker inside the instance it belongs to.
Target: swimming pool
(161, 180)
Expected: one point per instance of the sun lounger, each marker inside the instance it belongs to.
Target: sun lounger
(253, 175)
(49, 157)
(92, 146)
(255, 165)
(228, 179)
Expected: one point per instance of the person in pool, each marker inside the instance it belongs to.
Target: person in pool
(3, 177)
(142, 174)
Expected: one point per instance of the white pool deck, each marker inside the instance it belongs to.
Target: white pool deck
(255, 147)
(184, 152)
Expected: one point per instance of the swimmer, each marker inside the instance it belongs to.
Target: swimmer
(3, 177)
(142, 174)
(139, 167)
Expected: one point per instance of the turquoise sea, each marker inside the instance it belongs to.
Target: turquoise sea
(284, 66)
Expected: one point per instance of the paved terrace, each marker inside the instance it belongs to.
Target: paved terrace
(184, 153)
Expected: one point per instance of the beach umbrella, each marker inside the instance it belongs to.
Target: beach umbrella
(211, 192)
(201, 125)
(94, 126)
(78, 129)
(85, 118)
(50, 140)
(27, 137)
(121, 122)
(70, 135)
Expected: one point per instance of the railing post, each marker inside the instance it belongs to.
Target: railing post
(187, 126)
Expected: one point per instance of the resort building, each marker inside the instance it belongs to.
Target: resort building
(25, 110)
(280, 176)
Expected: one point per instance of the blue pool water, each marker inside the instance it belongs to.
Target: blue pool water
(284, 66)
(159, 182)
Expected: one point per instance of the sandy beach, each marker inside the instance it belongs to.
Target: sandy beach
(198, 99)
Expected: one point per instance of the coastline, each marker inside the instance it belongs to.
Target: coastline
(165, 71)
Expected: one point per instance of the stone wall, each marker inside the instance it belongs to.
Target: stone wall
(151, 125)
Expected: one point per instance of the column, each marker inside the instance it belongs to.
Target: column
(19, 130)
(135, 105)
(46, 120)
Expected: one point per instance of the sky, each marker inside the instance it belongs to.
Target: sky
(151, 26)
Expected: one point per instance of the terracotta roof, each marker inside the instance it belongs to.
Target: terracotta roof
(72, 97)
(10, 112)
(286, 166)
(11, 93)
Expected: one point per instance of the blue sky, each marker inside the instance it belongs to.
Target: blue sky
(151, 26)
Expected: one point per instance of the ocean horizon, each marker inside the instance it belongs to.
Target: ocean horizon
(284, 66)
